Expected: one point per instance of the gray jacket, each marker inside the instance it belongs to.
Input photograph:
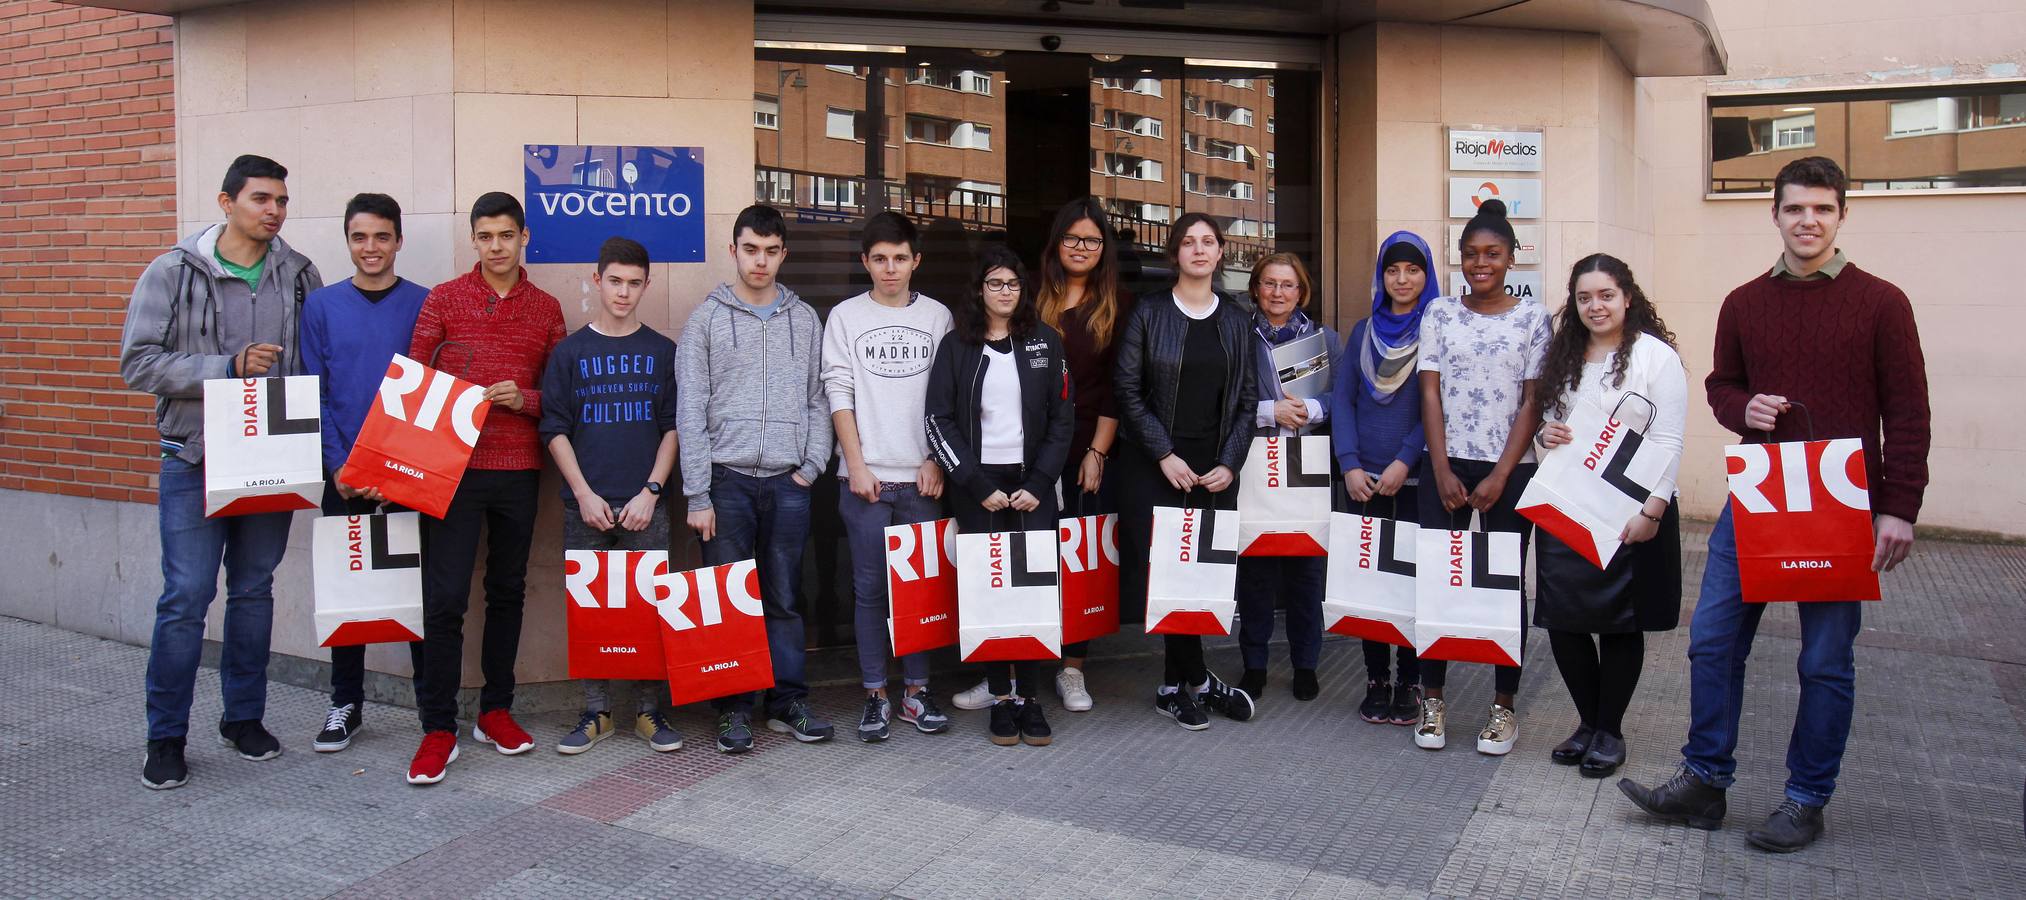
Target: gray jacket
(182, 307)
(749, 394)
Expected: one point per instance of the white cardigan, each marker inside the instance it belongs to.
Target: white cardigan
(1655, 372)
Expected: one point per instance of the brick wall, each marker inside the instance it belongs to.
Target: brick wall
(87, 198)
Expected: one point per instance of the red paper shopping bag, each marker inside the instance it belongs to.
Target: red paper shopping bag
(714, 633)
(921, 586)
(418, 438)
(1090, 576)
(1802, 517)
(613, 615)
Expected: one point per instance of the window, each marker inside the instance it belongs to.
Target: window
(972, 135)
(1269, 124)
(853, 71)
(1269, 87)
(1136, 167)
(1192, 182)
(1898, 138)
(978, 83)
(774, 186)
(1794, 131)
(1147, 125)
(1216, 149)
(835, 191)
(844, 124)
(2001, 111)
(766, 113)
(1192, 103)
(929, 130)
(1269, 159)
(965, 80)
(1148, 86)
(591, 173)
(1924, 115)
(980, 193)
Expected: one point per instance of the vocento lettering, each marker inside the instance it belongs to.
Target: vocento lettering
(1597, 450)
(615, 203)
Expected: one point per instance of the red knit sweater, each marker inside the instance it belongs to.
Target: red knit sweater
(1847, 349)
(505, 339)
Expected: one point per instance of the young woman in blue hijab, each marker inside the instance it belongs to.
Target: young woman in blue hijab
(1378, 438)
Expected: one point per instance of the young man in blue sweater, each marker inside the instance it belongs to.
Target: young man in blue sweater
(350, 332)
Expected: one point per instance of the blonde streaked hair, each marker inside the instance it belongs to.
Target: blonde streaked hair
(1100, 288)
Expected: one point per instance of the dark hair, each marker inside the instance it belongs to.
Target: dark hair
(250, 166)
(1181, 227)
(498, 203)
(1812, 171)
(762, 220)
(373, 205)
(1562, 370)
(621, 251)
(967, 317)
(1490, 217)
(887, 227)
(1101, 288)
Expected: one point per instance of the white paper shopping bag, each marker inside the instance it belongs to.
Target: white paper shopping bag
(1284, 497)
(367, 575)
(1586, 490)
(1192, 571)
(1009, 603)
(1369, 591)
(263, 445)
(1467, 605)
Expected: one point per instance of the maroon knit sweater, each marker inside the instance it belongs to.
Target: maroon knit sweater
(504, 339)
(1847, 349)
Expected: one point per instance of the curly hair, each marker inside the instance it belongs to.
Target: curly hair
(968, 317)
(1562, 371)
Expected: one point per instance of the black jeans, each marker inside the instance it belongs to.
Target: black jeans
(973, 518)
(348, 663)
(1503, 516)
(502, 505)
(1382, 660)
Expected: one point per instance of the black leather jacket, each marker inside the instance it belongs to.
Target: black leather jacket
(1150, 370)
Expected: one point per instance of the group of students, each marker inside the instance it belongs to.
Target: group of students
(1032, 393)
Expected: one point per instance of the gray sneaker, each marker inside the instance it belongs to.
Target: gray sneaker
(920, 710)
(802, 722)
(592, 727)
(872, 724)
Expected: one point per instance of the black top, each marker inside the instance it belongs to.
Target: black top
(379, 295)
(1199, 406)
(614, 397)
(1090, 371)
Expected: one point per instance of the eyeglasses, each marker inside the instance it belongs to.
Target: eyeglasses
(1002, 285)
(1072, 242)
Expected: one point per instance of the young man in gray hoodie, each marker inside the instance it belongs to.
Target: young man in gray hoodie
(754, 429)
(223, 304)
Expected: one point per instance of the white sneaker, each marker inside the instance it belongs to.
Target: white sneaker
(1431, 735)
(1069, 686)
(980, 697)
(1500, 732)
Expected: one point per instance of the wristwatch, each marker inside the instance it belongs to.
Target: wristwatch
(654, 487)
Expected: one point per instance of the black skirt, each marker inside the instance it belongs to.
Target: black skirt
(1639, 591)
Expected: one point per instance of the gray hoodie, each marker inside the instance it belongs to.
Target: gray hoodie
(188, 317)
(749, 393)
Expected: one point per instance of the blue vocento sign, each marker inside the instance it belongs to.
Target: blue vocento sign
(579, 196)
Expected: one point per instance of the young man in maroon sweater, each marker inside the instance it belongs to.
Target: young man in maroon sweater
(503, 328)
(1819, 332)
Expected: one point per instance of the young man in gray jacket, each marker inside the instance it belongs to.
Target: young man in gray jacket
(754, 428)
(222, 304)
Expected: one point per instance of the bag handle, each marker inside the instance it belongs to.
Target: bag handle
(1806, 417)
(1340, 501)
(470, 355)
(1652, 409)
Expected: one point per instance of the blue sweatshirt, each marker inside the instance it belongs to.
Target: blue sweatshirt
(348, 340)
(614, 398)
(1365, 433)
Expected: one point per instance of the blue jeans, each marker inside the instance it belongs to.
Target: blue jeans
(1298, 582)
(1720, 638)
(766, 520)
(865, 533)
(193, 548)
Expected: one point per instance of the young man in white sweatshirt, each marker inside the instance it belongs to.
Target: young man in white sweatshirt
(877, 348)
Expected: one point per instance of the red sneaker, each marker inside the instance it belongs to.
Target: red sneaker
(438, 749)
(498, 728)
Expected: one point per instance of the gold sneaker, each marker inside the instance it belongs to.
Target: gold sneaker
(1500, 732)
(591, 728)
(1430, 736)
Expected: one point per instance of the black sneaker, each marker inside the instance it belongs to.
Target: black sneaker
(1685, 798)
(872, 725)
(1306, 687)
(1253, 681)
(340, 724)
(735, 732)
(1234, 703)
(1378, 705)
(1406, 709)
(252, 741)
(1181, 706)
(165, 768)
(1034, 730)
(797, 720)
(1005, 727)
(1793, 826)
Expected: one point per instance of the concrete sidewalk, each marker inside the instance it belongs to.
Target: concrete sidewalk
(1304, 801)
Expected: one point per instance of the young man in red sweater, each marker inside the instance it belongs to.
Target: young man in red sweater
(503, 328)
(1817, 332)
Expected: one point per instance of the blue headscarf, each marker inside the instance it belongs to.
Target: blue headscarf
(1393, 340)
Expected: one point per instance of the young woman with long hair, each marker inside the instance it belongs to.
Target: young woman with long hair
(1611, 349)
(1186, 398)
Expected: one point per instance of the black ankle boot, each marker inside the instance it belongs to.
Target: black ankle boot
(1305, 685)
(1685, 798)
(1253, 681)
(1793, 826)
(1607, 753)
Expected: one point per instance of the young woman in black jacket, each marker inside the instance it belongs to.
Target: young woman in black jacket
(999, 416)
(1185, 390)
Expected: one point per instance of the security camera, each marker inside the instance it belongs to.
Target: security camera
(1051, 42)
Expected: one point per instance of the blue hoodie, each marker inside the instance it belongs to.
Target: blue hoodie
(348, 340)
(1370, 433)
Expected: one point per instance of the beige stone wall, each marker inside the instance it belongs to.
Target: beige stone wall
(1939, 248)
(431, 101)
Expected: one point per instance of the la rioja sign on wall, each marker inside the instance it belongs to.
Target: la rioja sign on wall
(579, 196)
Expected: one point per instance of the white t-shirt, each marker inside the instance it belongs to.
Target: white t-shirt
(876, 363)
(1483, 361)
(1001, 433)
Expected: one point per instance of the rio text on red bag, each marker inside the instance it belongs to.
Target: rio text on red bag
(1090, 576)
(614, 615)
(417, 440)
(921, 583)
(1802, 518)
(714, 633)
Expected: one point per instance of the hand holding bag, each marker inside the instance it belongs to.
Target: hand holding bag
(417, 440)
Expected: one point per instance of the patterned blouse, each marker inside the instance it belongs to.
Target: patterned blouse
(1483, 360)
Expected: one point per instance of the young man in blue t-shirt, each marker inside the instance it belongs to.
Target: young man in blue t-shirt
(608, 418)
(350, 332)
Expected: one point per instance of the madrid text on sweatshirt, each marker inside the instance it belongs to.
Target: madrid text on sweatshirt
(876, 364)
